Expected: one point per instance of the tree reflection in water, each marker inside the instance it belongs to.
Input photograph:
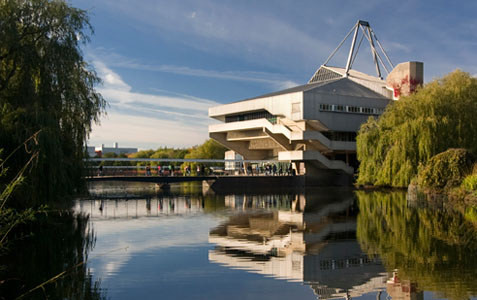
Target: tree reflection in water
(57, 243)
(434, 248)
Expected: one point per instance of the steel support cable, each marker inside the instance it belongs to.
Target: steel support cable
(334, 52)
(378, 69)
(382, 49)
(381, 60)
(357, 51)
(377, 53)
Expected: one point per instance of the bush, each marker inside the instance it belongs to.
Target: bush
(439, 116)
(446, 169)
(470, 182)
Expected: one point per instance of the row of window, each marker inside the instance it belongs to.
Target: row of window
(351, 109)
(252, 116)
(347, 263)
(343, 136)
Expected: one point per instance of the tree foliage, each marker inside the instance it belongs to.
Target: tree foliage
(209, 149)
(162, 152)
(51, 263)
(431, 247)
(439, 116)
(446, 169)
(46, 85)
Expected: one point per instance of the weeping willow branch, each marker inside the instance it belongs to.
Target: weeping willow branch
(18, 179)
(437, 117)
(64, 273)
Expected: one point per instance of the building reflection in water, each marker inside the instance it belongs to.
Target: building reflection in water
(111, 209)
(399, 289)
(308, 238)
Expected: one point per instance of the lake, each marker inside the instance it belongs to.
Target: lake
(139, 242)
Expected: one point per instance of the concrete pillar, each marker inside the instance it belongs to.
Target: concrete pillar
(405, 78)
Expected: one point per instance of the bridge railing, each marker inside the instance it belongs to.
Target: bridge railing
(139, 171)
(176, 167)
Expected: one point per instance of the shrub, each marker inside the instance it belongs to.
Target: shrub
(470, 182)
(439, 116)
(446, 169)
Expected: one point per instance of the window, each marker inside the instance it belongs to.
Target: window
(325, 107)
(343, 136)
(263, 114)
(351, 109)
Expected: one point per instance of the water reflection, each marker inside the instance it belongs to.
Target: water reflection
(433, 249)
(138, 208)
(308, 238)
(321, 243)
(56, 244)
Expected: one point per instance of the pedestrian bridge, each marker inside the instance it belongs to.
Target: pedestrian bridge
(153, 179)
(205, 169)
(239, 175)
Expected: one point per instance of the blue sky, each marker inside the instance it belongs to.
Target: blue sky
(163, 63)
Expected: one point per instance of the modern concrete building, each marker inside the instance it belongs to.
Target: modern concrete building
(314, 125)
(313, 241)
(115, 149)
(91, 150)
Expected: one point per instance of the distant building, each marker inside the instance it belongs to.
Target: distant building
(314, 125)
(101, 150)
(91, 151)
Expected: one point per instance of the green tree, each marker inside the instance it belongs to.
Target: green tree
(210, 149)
(437, 117)
(46, 85)
(51, 263)
(431, 247)
(446, 169)
(169, 153)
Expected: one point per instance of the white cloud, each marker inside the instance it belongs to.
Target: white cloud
(147, 120)
(120, 240)
(219, 27)
(146, 132)
(396, 47)
(276, 81)
(111, 80)
(286, 84)
(122, 97)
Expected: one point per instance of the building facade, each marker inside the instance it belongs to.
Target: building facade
(101, 150)
(314, 125)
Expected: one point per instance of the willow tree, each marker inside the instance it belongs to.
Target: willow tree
(431, 247)
(439, 116)
(46, 87)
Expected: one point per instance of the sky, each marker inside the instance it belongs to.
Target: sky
(163, 63)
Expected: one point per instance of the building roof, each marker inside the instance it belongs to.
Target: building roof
(333, 80)
(327, 72)
(340, 86)
(300, 88)
(346, 86)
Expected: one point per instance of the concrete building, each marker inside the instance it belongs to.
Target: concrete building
(313, 241)
(115, 149)
(314, 125)
(91, 150)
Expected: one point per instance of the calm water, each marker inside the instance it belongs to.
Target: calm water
(322, 243)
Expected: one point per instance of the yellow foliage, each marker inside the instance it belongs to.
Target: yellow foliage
(439, 116)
